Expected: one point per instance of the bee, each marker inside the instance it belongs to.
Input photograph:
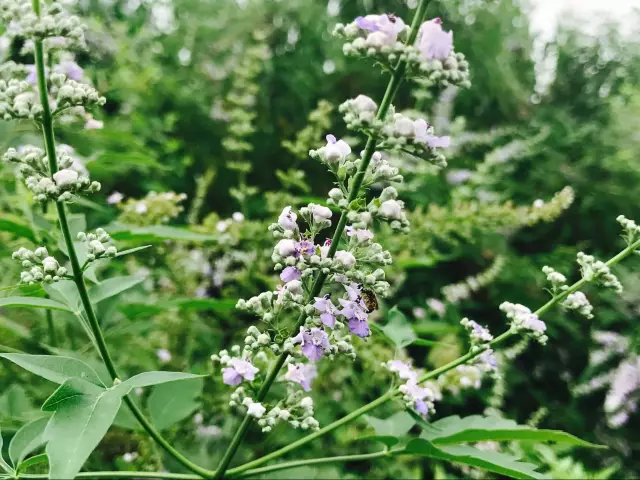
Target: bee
(369, 299)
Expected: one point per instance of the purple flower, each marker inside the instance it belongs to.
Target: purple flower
(327, 310)
(438, 142)
(314, 343)
(359, 327)
(289, 274)
(70, 69)
(366, 23)
(403, 369)
(302, 373)
(433, 42)
(421, 407)
(305, 247)
(238, 369)
(418, 394)
(32, 76)
(385, 28)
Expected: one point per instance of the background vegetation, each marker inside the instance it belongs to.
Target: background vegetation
(221, 101)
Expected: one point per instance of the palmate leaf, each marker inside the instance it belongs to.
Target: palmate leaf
(172, 402)
(83, 412)
(26, 440)
(54, 368)
(112, 287)
(398, 329)
(496, 462)
(478, 428)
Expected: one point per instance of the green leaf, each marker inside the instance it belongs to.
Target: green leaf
(147, 379)
(398, 329)
(53, 368)
(132, 250)
(33, 302)
(185, 304)
(172, 402)
(15, 405)
(65, 291)
(83, 414)
(478, 428)
(500, 463)
(30, 462)
(156, 233)
(26, 440)
(3, 464)
(113, 286)
(396, 425)
(13, 224)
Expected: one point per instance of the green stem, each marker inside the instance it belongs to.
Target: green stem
(106, 475)
(51, 328)
(392, 89)
(49, 139)
(314, 461)
(429, 375)
(234, 472)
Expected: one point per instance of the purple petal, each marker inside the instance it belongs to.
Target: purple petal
(328, 319)
(230, 376)
(289, 274)
(331, 139)
(359, 328)
(439, 142)
(421, 407)
(365, 24)
(312, 352)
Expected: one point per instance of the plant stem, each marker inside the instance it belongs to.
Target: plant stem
(78, 278)
(51, 327)
(392, 89)
(314, 461)
(429, 375)
(106, 475)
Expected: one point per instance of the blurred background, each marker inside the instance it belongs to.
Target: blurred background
(212, 106)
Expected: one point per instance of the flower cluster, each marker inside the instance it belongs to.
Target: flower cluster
(479, 335)
(389, 208)
(431, 58)
(98, 245)
(53, 22)
(67, 181)
(593, 269)
(556, 279)
(631, 229)
(70, 93)
(416, 396)
(38, 266)
(18, 101)
(579, 302)
(523, 320)
(469, 375)
(153, 209)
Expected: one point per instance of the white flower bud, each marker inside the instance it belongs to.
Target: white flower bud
(287, 219)
(320, 212)
(256, 410)
(391, 209)
(286, 247)
(65, 178)
(50, 265)
(345, 258)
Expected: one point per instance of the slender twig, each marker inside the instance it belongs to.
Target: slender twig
(78, 278)
(429, 375)
(392, 88)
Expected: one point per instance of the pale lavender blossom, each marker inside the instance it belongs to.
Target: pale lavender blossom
(32, 76)
(384, 28)
(433, 42)
(456, 177)
(289, 274)
(237, 371)
(327, 310)
(305, 247)
(403, 369)
(437, 306)
(70, 69)
(335, 150)
(287, 219)
(361, 234)
(314, 343)
(115, 198)
(419, 395)
(302, 373)
(164, 355)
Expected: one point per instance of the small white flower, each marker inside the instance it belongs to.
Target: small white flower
(346, 258)
(320, 212)
(391, 209)
(287, 219)
(365, 104)
(50, 265)
(141, 208)
(66, 177)
(222, 226)
(295, 287)
(237, 217)
(164, 355)
(286, 247)
(256, 410)
(306, 402)
(115, 198)
(335, 150)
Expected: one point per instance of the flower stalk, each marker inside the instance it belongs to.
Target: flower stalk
(392, 89)
(78, 277)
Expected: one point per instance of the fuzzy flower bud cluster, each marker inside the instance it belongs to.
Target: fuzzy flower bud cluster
(479, 335)
(593, 269)
(631, 229)
(38, 266)
(556, 279)
(70, 93)
(415, 137)
(523, 320)
(54, 21)
(469, 375)
(579, 302)
(153, 209)
(18, 101)
(360, 113)
(388, 207)
(33, 166)
(98, 245)
(431, 57)
(456, 292)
